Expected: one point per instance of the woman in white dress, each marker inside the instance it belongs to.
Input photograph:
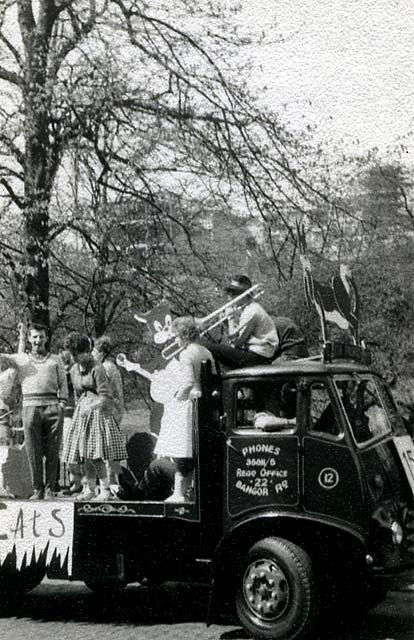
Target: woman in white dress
(174, 448)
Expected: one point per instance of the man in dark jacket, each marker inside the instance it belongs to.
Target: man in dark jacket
(292, 343)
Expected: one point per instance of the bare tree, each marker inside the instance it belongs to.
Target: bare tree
(145, 100)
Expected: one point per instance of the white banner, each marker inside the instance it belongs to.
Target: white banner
(35, 528)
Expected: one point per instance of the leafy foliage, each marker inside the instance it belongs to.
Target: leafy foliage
(136, 165)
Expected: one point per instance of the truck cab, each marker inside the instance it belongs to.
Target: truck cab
(320, 500)
(302, 492)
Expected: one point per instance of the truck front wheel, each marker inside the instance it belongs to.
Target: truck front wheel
(275, 595)
(16, 582)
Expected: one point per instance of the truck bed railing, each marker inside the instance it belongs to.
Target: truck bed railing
(343, 351)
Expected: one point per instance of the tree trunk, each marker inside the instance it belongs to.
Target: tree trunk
(36, 264)
(38, 170)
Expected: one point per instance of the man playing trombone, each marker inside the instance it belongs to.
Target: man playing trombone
(251, 331)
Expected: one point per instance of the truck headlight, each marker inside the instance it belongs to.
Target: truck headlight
(397, 533)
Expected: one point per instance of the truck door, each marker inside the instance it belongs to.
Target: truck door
(331, 478)
(383, 447)
(262, 445)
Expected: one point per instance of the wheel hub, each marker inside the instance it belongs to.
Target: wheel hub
(266, 589)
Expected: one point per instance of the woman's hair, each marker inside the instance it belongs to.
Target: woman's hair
(103, 345)
(77, 343)
(66, 357)
(186, 329)
(37, 326)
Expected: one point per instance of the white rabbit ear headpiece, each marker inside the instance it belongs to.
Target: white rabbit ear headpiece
(162, 331)
(158, 320)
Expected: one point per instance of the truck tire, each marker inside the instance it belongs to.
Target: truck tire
(31, 580)
(17, 582)
(275, 596)
(105, 588)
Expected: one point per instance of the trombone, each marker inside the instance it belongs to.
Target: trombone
(217, 317)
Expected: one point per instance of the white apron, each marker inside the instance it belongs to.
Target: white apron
(176, 433)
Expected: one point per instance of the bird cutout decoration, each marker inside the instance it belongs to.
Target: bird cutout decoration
(337, 302)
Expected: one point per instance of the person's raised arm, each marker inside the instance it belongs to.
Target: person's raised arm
(21, 345)
(12, 359)
(9, 360)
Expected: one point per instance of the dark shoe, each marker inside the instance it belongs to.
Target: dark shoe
(38, 494)
(73, 490)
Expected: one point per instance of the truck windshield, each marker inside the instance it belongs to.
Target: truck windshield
(365, 405)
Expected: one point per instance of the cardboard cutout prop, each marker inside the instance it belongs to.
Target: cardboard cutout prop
(38, 532)
(162, 388)
(158, 321)
(338, 302)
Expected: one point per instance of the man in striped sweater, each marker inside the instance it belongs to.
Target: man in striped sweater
(45, 393)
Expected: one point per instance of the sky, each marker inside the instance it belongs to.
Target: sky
(344, 65)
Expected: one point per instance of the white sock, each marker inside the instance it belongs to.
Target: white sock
(104, 484)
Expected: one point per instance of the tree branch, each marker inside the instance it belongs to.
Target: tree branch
(17, 201)
(10, 76)
(80, 30)
(12, 49)
(46, 17)
(19, 156)
(407, 208)
(26, 21)
(11, 172)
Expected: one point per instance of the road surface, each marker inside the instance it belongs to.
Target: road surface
(59, 610)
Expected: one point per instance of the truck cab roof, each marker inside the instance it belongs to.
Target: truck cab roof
(305, 366)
